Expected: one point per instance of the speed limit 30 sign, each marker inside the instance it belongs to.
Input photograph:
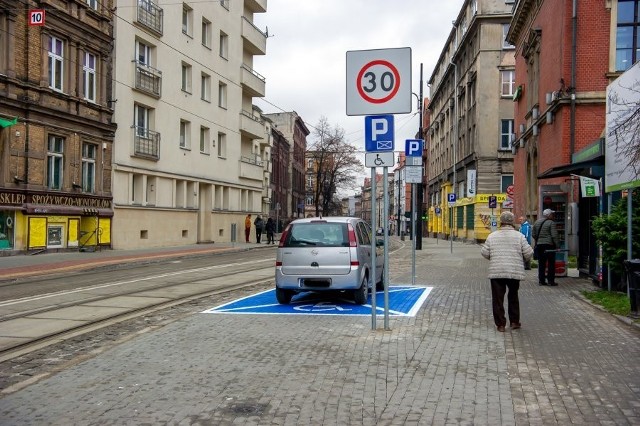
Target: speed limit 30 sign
(379, 81)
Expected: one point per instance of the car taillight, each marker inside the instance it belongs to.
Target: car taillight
(278, 263)
(353, 242)
(284, 236)
(355, 263)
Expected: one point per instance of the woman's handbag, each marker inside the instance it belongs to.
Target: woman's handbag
(535, 252)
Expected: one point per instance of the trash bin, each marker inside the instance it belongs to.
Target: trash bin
(633, 280)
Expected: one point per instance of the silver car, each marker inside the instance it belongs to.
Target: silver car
(327, 254)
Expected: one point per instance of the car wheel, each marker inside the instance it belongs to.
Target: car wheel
(360, 295)
(283, 296)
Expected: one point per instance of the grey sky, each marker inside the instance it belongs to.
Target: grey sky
(305, 67)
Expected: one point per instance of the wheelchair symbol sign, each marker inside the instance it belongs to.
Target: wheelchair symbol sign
(320, 307)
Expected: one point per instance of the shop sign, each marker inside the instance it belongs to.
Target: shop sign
(16, 198)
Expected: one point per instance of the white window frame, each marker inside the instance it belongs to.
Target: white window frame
(143, 53)
(507, 80)
(222, 145)
(187, 20)
(185, 133)
(55, 162)
(89, 153)
(205, 87)
(93, 4)
(89, 76)
(141, 116)
(206, 33)
(185, 84)
(506, 136)
(222, 95)
(204, 140)
(56, 64)
(224, 45)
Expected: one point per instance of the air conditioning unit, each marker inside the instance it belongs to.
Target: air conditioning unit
(549, 98)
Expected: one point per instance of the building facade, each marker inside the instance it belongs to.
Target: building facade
(280, 177)
(292, 127)
(56, 144)
(189, 159)
(471, 121)
(566, 55)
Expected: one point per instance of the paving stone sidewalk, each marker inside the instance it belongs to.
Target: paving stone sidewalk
(569, 364)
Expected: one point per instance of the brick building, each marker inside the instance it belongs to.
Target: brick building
(55, 161)
(564, 62)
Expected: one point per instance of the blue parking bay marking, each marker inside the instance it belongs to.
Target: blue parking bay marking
(404, 301)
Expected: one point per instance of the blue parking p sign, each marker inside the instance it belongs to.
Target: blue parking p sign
(378, 133)
(413, 147)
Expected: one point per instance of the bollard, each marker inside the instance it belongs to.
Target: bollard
(633, 281)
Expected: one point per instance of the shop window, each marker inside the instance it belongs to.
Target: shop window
(55, 161)
(89, 167)
(7, 221)
(55, 235)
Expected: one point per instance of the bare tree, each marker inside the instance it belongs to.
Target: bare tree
(335, 165)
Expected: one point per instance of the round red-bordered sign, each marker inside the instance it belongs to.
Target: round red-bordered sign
(394, 89)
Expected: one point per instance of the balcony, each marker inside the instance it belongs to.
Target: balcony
(252, 82)
(255, 41)
(146, 143)
(251, 168)
(256, 6)
(148, 79)
(150, 16)
(251, 126)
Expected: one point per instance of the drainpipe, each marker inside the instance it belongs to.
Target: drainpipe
(574, 31)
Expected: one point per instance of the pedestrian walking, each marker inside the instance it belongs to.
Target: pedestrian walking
(507, 250)
(247, 227)
(547, 241)
(525, 229)
(259, 223)
(270, 227)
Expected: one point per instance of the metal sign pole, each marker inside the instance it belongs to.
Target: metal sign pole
(373, 246)
(413, 234)
(385, 229)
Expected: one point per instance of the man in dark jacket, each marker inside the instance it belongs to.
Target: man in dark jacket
(547, 241)
(259, 223)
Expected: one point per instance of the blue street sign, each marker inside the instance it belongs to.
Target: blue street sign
(378, 133)
(451, 198)
(413, 147)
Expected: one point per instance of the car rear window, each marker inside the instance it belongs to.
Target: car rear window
(322, 234)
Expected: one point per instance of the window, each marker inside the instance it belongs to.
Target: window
(55, 160)
(88, 167)
(508, 82)
(222, 95)
(205, 87)
(141, 120)
(222, 145)
(187, 19)
(505, 182)
(506, 129)
(505, 43)
(310, 163)
(93, 4)
(225, 4)
(627, 44)
(185, 128)
(204, 140)
(206, 33)
(143, 53)
(186, 78)
(224, 45)
(56, 48)
(89, 77)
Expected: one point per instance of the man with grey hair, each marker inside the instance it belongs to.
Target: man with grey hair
(507, 250)
(547, 241)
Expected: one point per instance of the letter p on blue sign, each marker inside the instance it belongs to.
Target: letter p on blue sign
(413, 147)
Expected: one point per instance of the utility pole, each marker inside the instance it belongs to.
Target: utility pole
(419, 186)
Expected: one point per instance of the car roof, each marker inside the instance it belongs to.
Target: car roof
(334, 219)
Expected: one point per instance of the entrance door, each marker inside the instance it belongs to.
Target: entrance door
(55, 235)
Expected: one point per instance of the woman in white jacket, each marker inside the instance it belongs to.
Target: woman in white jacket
(507, 250)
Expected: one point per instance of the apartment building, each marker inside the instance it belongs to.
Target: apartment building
(189, 153)
(56, 126)
(471, 122)
(566, 55)
(293, 129)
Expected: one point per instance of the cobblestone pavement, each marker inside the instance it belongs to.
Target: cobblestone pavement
(569, 364)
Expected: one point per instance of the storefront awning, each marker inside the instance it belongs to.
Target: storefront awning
(582, 168)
